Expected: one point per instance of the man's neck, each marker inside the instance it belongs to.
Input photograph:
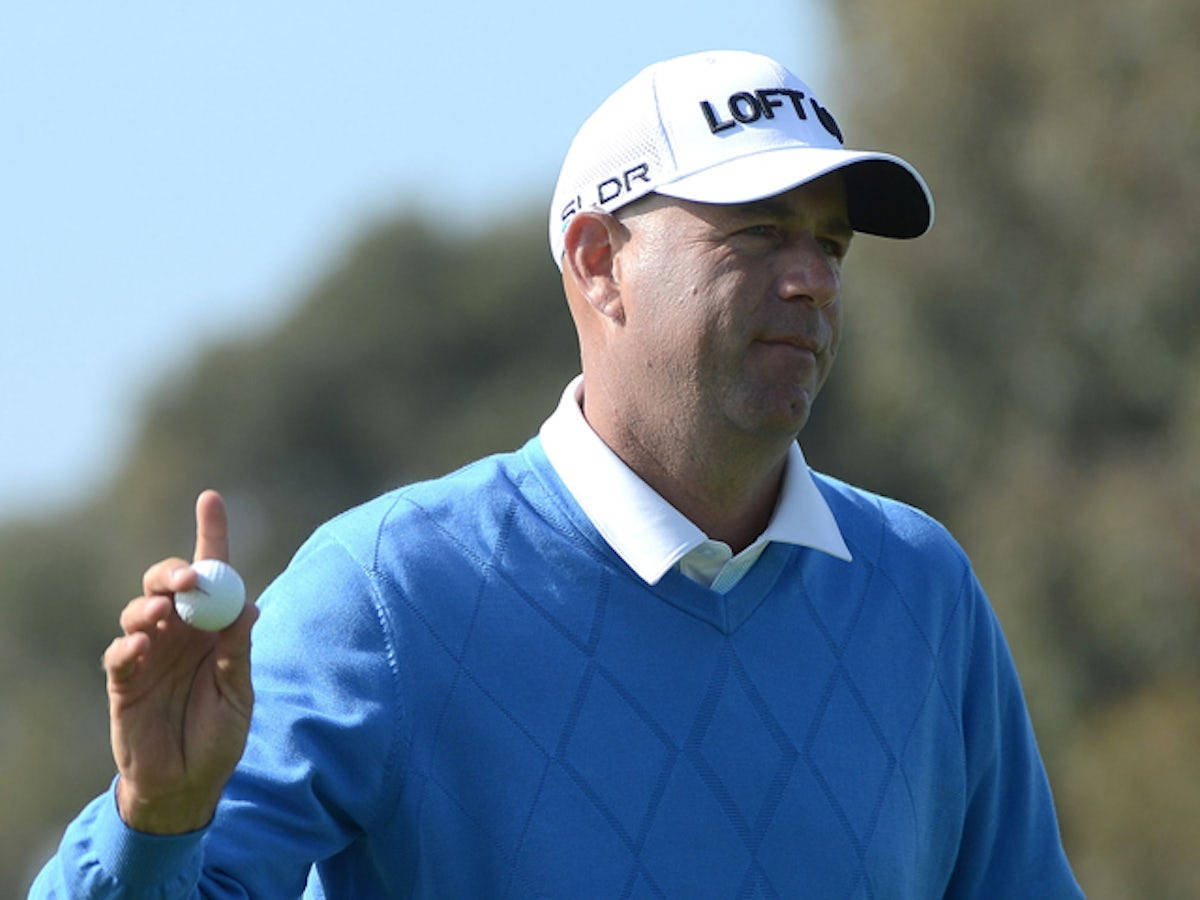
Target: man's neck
(728, 486)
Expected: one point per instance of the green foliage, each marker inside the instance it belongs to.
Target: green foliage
(1030, 372)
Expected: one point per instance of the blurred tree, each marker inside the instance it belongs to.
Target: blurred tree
(1142, 825)
(1030, 371)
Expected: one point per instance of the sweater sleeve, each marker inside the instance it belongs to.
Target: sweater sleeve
(321, 759)
(100, 856)
(1010, 845)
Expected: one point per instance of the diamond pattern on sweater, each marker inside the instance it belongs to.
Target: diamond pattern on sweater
(844, 710)
(735, 759)
(640, 754)
(733, 725)
(706, 837)
(850, 766)
(627, 779)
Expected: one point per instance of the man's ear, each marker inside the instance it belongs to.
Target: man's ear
(590, 246)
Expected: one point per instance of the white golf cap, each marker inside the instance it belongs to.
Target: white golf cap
(727, 126)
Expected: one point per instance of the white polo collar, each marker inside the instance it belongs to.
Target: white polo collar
(647, 532)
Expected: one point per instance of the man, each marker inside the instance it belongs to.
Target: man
(650, 653)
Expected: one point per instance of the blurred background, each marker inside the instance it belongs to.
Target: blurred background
(298, 253)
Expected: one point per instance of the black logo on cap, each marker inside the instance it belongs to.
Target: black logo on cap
(746, 107)
(610, 189)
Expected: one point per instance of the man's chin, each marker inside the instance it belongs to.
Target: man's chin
(777, 417)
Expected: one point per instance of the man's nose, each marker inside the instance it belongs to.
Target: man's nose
(808, 272)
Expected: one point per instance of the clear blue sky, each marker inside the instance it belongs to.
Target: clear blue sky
(173, 174)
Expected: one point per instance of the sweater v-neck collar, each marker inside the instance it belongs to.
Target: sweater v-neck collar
(725, 612)
(729, 610)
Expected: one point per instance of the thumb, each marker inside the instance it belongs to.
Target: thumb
(212, 527)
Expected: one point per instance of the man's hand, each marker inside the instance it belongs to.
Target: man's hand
(179, 698)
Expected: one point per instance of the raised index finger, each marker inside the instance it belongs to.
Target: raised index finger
(212, 527)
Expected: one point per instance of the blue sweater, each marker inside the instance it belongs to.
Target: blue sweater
(463, 692)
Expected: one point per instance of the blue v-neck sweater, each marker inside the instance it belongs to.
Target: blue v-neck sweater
(463, 692)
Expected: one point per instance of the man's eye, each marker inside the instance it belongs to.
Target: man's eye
(761, 231)
(834, 248)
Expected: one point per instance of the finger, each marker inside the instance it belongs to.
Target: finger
(144, 614)
(235, 639)
(168, 576)
(212, 527)
(121, 658)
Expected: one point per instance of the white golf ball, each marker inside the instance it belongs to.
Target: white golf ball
(216, 600)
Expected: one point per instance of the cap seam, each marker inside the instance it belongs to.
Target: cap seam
(662, 129)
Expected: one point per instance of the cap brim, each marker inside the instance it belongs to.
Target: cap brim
(884, 194)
